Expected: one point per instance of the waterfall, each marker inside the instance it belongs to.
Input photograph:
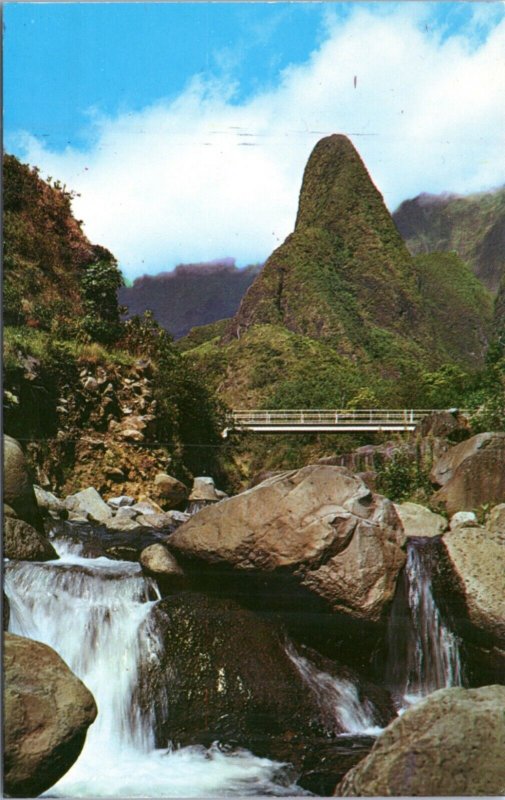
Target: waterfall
(94, 612)
(423, 650)
(337, 698)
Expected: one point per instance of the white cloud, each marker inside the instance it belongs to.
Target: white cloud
(202, 176)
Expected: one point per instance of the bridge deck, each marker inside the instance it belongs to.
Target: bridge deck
(325, 420)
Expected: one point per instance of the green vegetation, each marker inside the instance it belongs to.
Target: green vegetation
(471, 226)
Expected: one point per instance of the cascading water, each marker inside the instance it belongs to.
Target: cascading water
(423, 650)
(94, 613)
(337, 698)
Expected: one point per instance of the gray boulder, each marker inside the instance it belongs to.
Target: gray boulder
(49, 504)
(420, 521)
(88, 501)
(320, 523)
(47, 713)
(450, 744)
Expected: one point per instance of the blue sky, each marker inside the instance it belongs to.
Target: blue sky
(185, 127)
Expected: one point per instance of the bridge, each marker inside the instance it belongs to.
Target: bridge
(325, 420)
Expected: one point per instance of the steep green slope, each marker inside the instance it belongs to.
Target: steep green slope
(472, 226)
(345, 267)
(45, 251)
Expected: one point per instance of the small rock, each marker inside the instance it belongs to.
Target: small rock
(9, 512)
(125, 512)
(159, 521)
(146, 507)
(170, 489)
(78, 516)
(204, 489)
(120, 502)
(49, 504)
(131, 435)
(157, 560)
(122, 524)
(466, 518)
(89, 501)
(90, 384)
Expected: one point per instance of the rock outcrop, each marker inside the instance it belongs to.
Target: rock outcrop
(320, 523)
(452, 744)
(472, 474)
(47, 713)
(477, 557)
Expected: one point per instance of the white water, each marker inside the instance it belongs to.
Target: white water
(91, 611)
(431, 657)
(337, 698)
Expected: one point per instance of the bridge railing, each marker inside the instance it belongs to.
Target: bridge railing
(324, 416)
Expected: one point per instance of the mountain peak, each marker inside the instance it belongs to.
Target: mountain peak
(345, 264)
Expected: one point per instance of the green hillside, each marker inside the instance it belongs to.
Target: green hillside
(471, 226)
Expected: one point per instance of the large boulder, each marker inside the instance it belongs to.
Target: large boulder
(452, 743)
(420, 521)
(477, 557)
(21, 541)
(445, 467)
(472, 474)
(47, 713)
(224, 674)
(496, 521)
(17, 485)
(319, 523)
(89, 502)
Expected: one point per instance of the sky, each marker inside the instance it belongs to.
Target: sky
(184, 128)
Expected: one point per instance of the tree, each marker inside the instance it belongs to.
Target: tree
(99, 285)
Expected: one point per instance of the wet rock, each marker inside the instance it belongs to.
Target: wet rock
(450, 744)
(21, 541)
(320, 523)
(169, 490)
(225, 676)
(477, 557)
(47, 713)
(420, 521)
(17, 485)
(120, 502)
(89, 502)
(49, 504)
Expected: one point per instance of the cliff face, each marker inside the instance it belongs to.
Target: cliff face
(344, 268)
(191, 295)
(472, 226)
(45, 250)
